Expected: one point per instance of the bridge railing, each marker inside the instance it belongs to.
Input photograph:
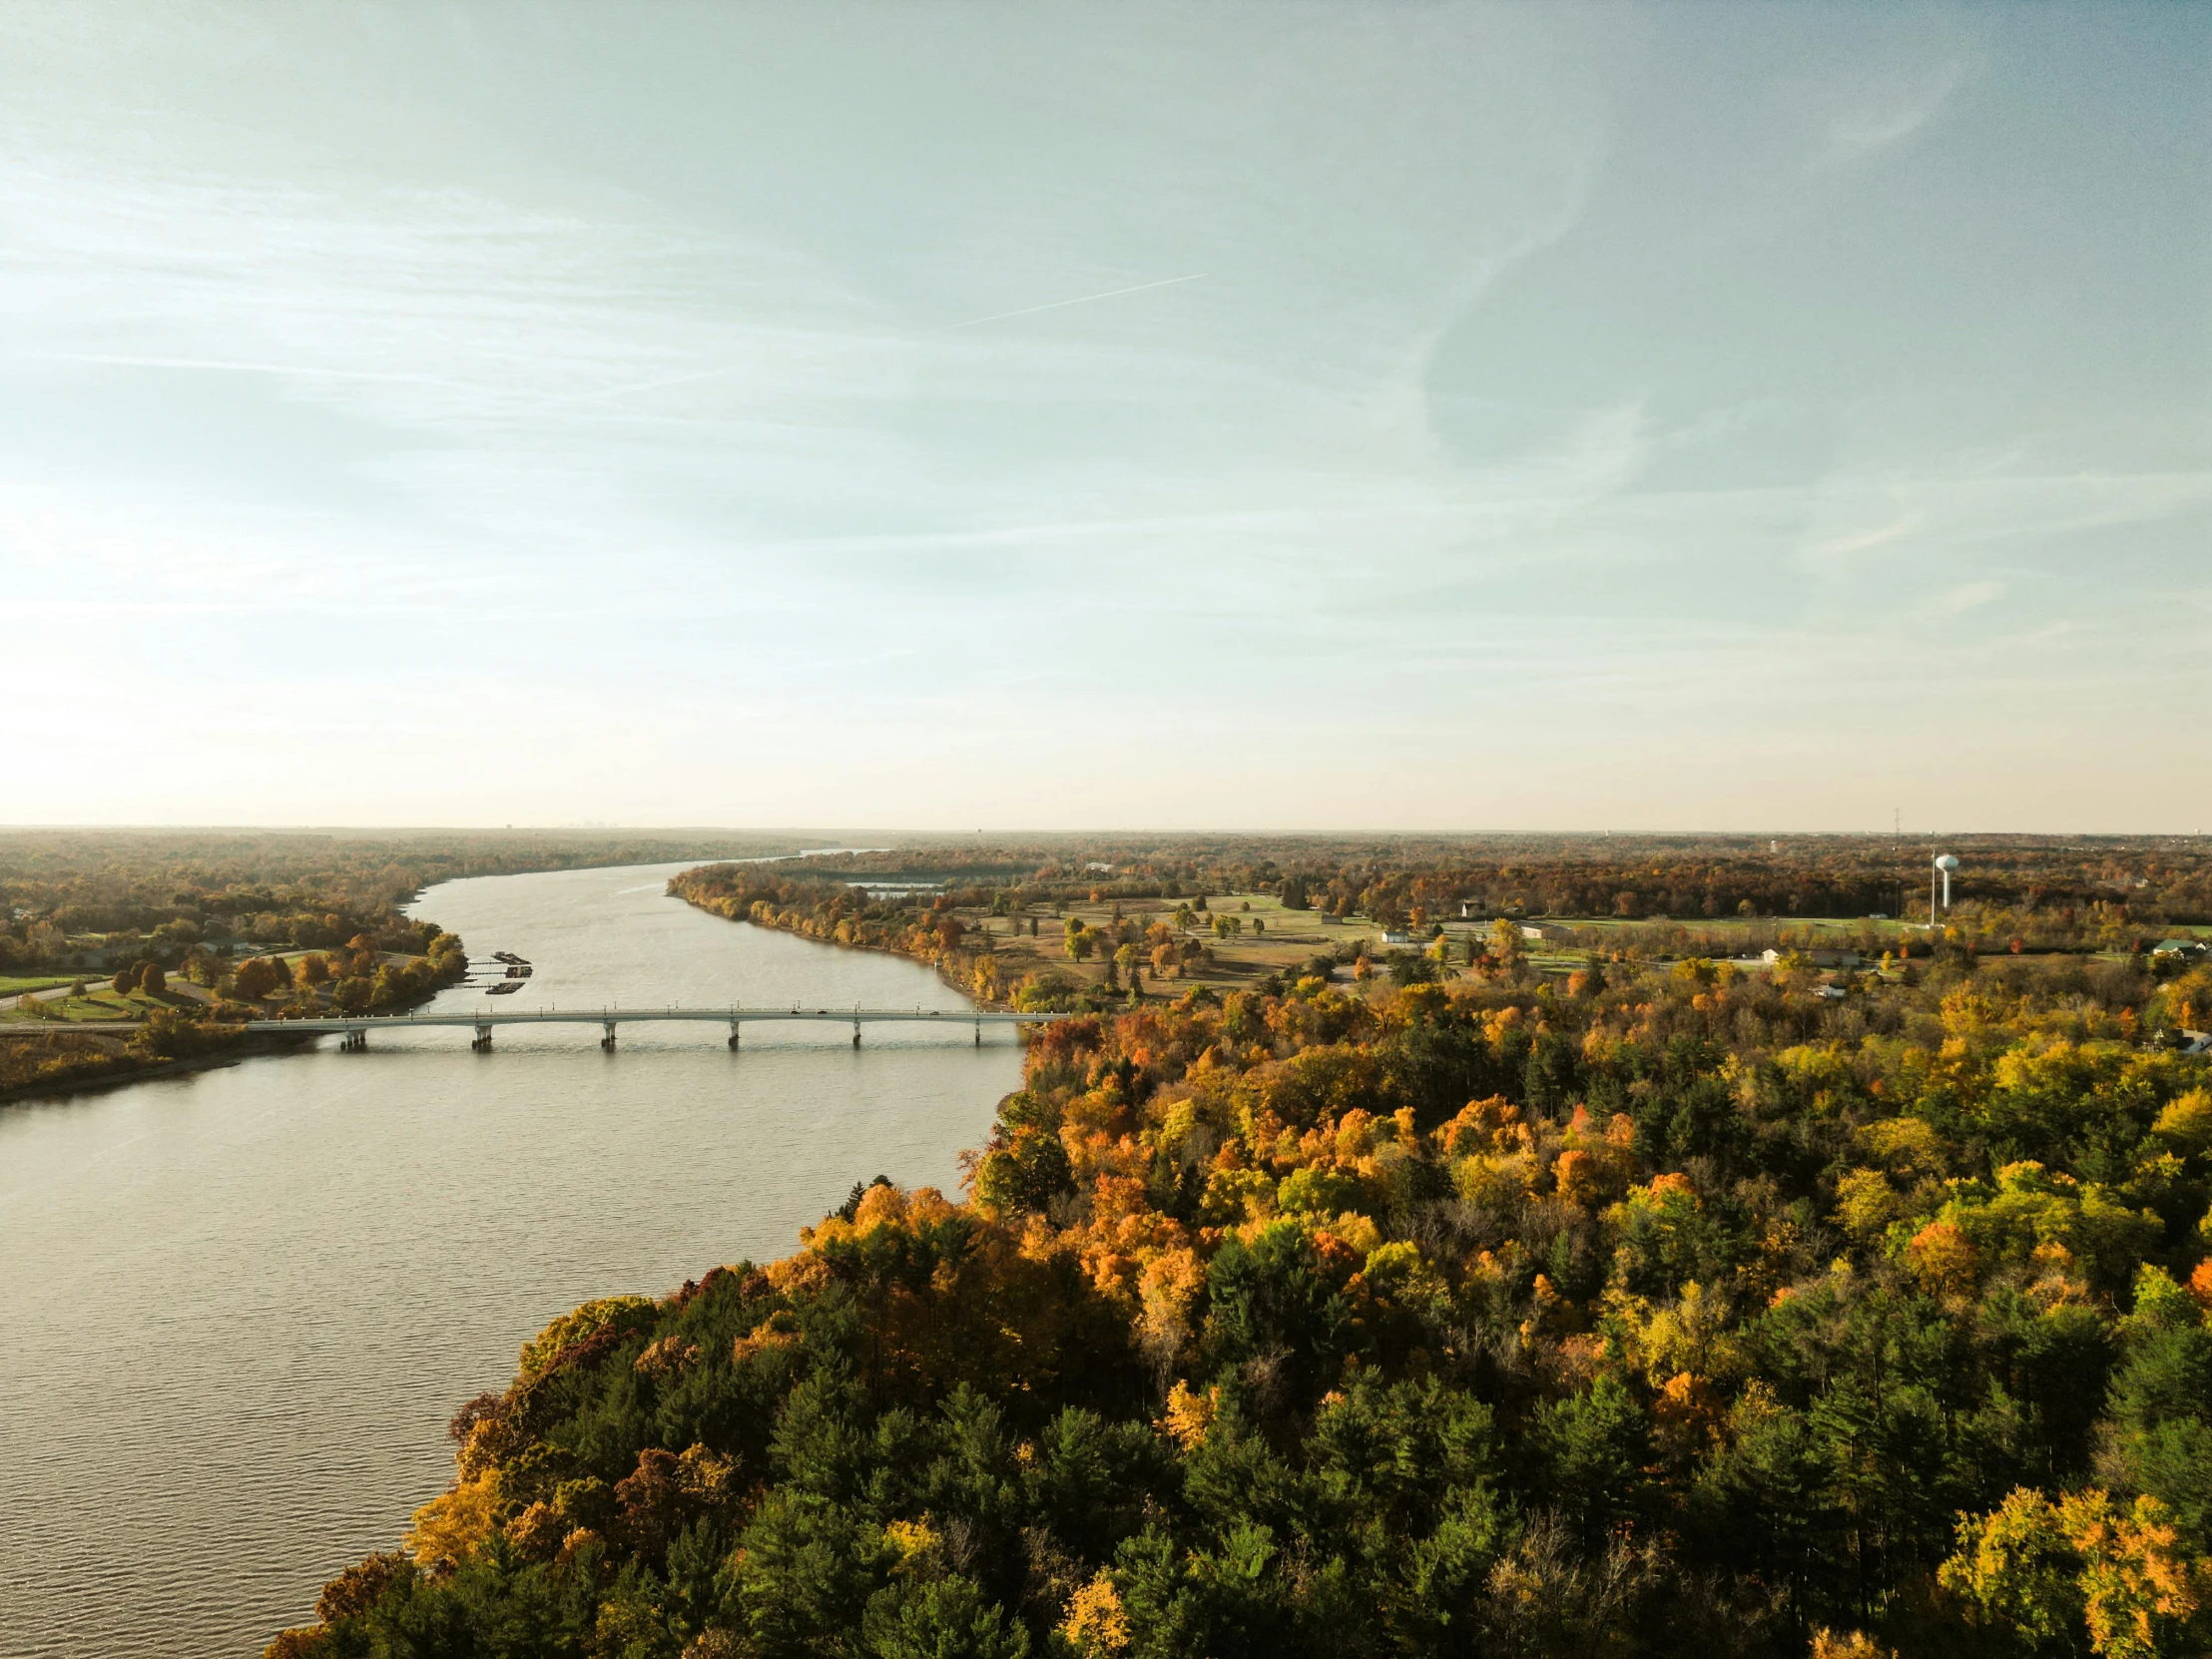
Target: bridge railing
(622, 1016)
(355, 1027)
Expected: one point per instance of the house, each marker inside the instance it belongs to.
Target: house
(1397, 935)
(1819, 958)
(1541, 930)
(2180, 949)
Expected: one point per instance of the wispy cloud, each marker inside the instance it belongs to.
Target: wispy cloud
(1079, 299)
(216, 365)
(1967, 596)
(1872, 116)
(889, 446)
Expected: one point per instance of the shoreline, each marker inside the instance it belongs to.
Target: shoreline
(936, 965)
(249, 1048)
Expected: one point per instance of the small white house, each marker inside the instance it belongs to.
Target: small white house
(1819, 958)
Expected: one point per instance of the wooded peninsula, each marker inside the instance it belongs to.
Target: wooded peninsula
(1595, 1246)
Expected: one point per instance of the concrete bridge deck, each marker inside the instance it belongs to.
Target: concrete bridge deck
(354, 1028)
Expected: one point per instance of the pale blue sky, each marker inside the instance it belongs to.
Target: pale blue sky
(1524, 416)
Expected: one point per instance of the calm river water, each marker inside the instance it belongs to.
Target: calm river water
(236, 1307)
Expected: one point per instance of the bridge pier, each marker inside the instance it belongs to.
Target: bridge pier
(482, 1044)
(734, 1028)
(855, 1033)
(607, 1041)
(978, 1033)
(355, 1040)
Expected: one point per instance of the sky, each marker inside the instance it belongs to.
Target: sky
(1004, 416)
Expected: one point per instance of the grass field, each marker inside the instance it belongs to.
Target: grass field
(102, 1006)
(1294, 937)
(1291, 937)
(10, 986)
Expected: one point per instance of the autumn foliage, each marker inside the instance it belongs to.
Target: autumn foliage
(1670, 1314)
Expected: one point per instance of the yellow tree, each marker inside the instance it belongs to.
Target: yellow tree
(2049, 1571)
(1507, 946)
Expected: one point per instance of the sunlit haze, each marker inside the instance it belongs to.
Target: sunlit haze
(1415, 417)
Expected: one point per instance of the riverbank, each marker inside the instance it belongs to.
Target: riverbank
(246, 1048)
(1087, 952)
(181, 1026)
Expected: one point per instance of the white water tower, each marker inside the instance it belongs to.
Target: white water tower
(1944, 865)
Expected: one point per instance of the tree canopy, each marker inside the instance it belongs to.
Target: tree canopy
(1653, 1313)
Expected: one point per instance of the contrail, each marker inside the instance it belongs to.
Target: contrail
(1110, 294)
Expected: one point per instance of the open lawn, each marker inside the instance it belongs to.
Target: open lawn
(102, 1006)
(11, 986)
(1273, 939)
(1283, 941)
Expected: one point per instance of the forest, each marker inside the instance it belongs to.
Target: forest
(1650, 1308)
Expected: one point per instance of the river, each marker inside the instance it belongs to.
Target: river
(239, 1306)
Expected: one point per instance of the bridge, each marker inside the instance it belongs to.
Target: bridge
(353, 1029)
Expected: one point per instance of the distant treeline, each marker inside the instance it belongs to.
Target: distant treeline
(121, 895)
(2042, 893)
(159, 894)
